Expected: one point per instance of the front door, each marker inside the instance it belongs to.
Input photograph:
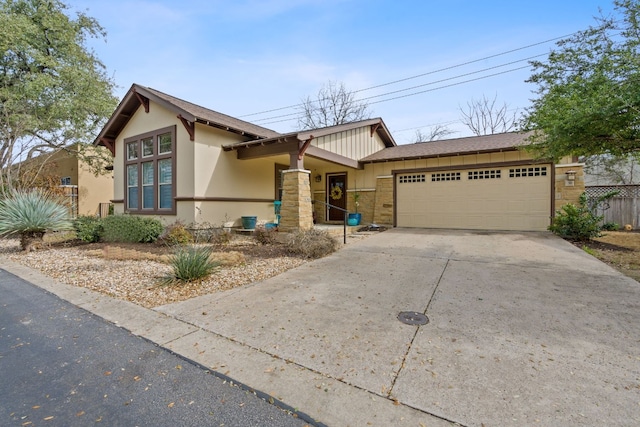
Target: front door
(336, 195)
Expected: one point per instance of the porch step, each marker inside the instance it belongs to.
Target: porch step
(337, 230)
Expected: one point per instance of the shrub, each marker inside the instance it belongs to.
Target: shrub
(131, 229)
(610, 226)
(191, 263)
(265, 236)
(30, 214)
(311, 243)
(221, 236)
(176, 234)
(88, 228)
(576, 221)
(201, 232)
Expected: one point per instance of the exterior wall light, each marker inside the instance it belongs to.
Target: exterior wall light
(571, 175)
(318, 178)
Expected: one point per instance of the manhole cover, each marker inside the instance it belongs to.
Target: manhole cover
(413, 318)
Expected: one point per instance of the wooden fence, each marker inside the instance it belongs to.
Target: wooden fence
(621, 209)
(70, 193)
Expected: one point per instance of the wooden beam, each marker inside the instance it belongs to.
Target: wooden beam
(256, 151)
(144, 101)
(189, 126)
(374, 128)
(110, 144)
(304, 147)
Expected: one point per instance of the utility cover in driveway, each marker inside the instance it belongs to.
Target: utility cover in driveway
(514, 198)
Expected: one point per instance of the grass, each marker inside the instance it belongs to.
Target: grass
(619, 249)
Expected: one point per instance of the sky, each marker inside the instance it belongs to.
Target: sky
(416, 63)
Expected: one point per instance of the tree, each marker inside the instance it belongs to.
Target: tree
(608, 169)
(54, 92)
(589, 90)
(484, 117)
(434, 133)
(333, 105)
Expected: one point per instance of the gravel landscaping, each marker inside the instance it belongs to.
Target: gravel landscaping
(133, 272)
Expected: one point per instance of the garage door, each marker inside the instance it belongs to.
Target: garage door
(508, 198)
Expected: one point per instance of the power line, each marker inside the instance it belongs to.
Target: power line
(414, 93)
(424, 74)
(297, 114)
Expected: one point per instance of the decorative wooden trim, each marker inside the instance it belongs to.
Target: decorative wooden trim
(143, 100)
(110, 144)
(304, 147)
(374, 129)
(222, 199)
(189, 126)
(329, 156)
(257, 150)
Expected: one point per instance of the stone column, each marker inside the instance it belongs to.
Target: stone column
(296, 212)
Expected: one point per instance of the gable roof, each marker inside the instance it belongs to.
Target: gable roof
(451, 147)
(377, 125)
(140, 95)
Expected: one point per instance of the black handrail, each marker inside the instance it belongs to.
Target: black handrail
(344, 222)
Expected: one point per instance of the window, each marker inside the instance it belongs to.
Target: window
(488, 174)
(150, 177)
(404, 179)
(445, 176)
(279, 180)
(65, 180)
(533, 171)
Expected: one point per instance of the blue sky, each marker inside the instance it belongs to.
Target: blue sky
(246, 56)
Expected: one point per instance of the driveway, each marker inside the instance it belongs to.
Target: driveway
(524, 329)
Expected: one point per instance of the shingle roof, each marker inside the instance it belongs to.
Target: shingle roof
(303, 135)
(191, 112)
(450, 147)
(207, 115)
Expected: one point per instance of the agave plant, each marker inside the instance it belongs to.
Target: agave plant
(30, 214)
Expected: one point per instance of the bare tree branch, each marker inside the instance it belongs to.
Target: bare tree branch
(434, 133)
(333, 105)
(484, 117)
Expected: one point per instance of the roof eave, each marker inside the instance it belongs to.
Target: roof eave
(439, 155)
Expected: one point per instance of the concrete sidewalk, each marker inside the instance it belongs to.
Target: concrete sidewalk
(525, 329)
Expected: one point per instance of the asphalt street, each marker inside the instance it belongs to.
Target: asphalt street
(63, 366)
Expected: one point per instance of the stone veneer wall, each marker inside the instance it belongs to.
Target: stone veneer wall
(365, 204)
(568, 191)
(296, 211)
(383, 204)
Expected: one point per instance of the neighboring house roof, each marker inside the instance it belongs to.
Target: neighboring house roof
(451, 147)
(140, 95)
(304, 135)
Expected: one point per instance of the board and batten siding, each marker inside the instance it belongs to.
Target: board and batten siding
(354, 144)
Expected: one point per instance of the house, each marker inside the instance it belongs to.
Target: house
(85, 192)
(177, 160)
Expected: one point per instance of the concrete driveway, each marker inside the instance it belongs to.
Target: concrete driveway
(525, 329)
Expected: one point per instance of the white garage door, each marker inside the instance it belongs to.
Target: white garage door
(507, 198)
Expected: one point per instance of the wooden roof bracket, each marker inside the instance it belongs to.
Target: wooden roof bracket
(374, 129)
(189, 126)
(144, 101)
(110, 144)
(304, 147)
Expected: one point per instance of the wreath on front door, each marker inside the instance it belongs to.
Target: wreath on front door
(336, 192)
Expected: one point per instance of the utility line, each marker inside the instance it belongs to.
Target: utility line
(415, 93)
(411, 88)
(425, 74)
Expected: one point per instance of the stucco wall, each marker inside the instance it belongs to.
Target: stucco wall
(218, 187)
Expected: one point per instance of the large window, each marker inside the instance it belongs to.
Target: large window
(150, 178)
